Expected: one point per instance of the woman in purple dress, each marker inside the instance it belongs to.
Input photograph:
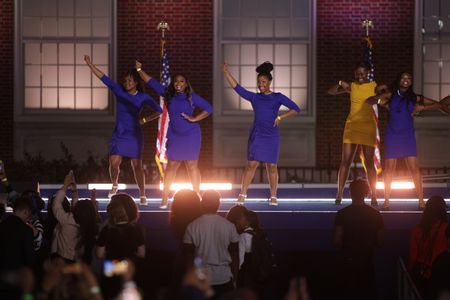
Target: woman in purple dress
(126, 139)
(264, 140)
(184, 135)
(399, 139)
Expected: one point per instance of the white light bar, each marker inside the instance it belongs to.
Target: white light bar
(397, 185)
(203, 186)
(105, 186)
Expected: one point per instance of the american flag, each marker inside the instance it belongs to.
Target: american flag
(369, 61)
(163, 122)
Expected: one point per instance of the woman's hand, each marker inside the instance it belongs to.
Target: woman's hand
(87, 59)
(277, 121)
(138, 65)
(225, 68)
(417, 109)
(189, 118)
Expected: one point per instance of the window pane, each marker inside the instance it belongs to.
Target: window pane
(100, 54)
(282, 8)
(300, 28)
(83, 98)
(83, 27)
(299, 54)
(264, 8)
(49, 98)
(265, 28)
(300, 97)
(431, 52)
(282, 54)
(249, 8)
(300, 8)
(248, 54)
(282, 76)
(299, 76)
(431, 91)
(49, 76)
(230, 99)
(231, 53)
(100, 8)
(265, 53)
(431, 27)
(81, 50)
(248, 78)
(248, 28)
(83, 77)
(431, 8)
(31, 27)
(49, 54)
(100, 98)
(446, 72)
(446, 51)
(66, 27)
(431, 72)
(83, 8)
(231, 28)
(66, 74)
(282, 28)
(245, 105)
(32, 98)
(32, 75)
(31, 8)
(49, 8)
(32, 54)
(66, 8)
(66, 98)
(66, 54)
(100, 27)
(230, 8)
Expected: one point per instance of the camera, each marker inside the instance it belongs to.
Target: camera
(115, 267)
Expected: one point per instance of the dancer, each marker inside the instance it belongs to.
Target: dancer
(184, 135)
(399, 137)
(360, 128)
(126, 139)
(264, 140)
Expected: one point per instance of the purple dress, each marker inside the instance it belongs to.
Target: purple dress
(264, 139)
(399, 137)
(126, 139)
(184, 138)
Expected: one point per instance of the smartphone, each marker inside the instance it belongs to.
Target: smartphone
(115, 267)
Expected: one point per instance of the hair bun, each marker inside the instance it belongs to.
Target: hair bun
(265, 68)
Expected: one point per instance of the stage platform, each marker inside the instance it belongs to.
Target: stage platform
(300, 227)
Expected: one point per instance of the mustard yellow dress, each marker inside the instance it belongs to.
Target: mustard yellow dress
(360, 127)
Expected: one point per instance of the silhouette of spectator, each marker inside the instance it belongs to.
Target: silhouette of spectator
(440, 271)
(359, 229)
(185, 208)
(428, 240)
(236, 215)
(215, 240)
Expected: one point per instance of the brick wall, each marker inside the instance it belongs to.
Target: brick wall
(6, 79)
(189, 46)
(339, 48)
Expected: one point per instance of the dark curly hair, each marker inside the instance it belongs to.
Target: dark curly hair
(264, 69)
(171, 92)
(135, 75)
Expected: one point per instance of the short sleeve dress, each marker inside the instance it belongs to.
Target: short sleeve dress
(184, 138)
(264, 139)
(360, 127)
(126, 139)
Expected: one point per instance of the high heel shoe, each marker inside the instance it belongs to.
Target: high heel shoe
(273, 201)
(164, 204)
(421, 205)
(241, 199)
(113, 191)
(143, 200)
(338, 201)
(374, 202)
(385, 206)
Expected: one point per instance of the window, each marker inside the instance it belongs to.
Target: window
(254, 31)
(435, 42)
(54, 37)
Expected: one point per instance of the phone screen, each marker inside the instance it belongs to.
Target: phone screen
(114, 267)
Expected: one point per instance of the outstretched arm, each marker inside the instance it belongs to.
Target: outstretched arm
(144, 76)
(430, 104)
(93, 68)
(231, 81)
(341, 88)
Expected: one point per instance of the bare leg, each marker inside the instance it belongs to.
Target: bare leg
(139, 176)
(348, 154)
(114, 170)
(388, 173)
(247, 178)
(171, 172)
(194, 174)
(272, 174)
(368, 153)
(411, 162)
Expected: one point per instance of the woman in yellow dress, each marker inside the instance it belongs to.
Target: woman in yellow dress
(360, 128)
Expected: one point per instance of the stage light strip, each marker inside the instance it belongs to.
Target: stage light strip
(203, 186)
(397, 185)
(105, 186)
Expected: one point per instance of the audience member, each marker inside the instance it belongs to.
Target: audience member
(216, 241)
(428, 240)
(236, 216)
(359, 229)
(440, 271)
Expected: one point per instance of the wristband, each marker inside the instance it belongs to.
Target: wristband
(144, 120)
(4, 179)
(278, 118)
(138, 69)
(340, 83)
(379, 101)
(94, 290)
